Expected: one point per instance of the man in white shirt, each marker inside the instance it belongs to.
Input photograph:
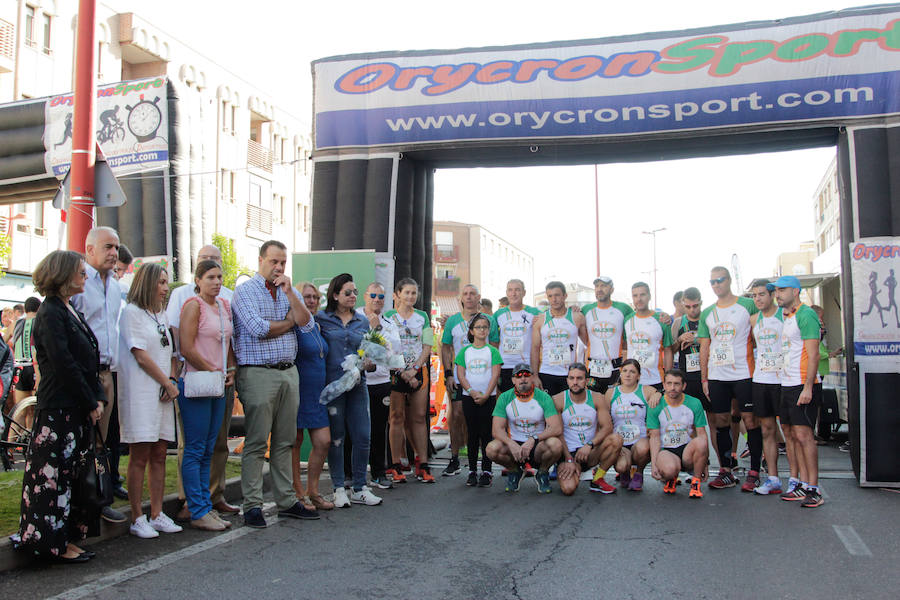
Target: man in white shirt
(100, 304)
(220, 453)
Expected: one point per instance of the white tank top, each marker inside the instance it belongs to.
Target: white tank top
(629, 414)
(769, 359)
(559, 342)
(579, 422)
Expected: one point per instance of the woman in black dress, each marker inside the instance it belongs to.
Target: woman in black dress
(69, 400)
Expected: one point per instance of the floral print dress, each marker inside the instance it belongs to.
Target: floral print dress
(49, 520)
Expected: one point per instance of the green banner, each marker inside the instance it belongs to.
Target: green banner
(320, 267)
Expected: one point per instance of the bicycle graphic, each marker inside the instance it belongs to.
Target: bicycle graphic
(112, 129)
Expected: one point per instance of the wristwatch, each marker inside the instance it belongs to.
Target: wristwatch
(591, 444)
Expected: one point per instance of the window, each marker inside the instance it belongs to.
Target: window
(255, 195)
(46, 33)
(305, 218)
(29, 25)
(228, 186)
(228, 115)
(443, 238)
(100, 60)
(233, 118)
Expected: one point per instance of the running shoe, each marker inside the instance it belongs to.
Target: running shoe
(750, 482)
(513, 481)
(670, 487)
(452, 467)
(485, 479)
(600, 486)
(813, 499)
(695, 492)
(624, 479)
(553, 473)
(396, 474)
(382, 483)
(472, 479)
(365, 496)
(542, 479)
(424, 475)
(529, 470)
(723, 480)
(637, 482)
(772, 485)
(794, 494)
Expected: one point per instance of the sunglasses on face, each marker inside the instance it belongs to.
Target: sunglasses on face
(690, 306)
(349, 293)
(379, 296)
(718, 280)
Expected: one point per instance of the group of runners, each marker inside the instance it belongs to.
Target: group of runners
(613, 386)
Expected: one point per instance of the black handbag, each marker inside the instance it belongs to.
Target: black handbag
(93, 488)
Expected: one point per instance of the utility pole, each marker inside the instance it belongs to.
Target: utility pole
(80, 216)
(653, 235)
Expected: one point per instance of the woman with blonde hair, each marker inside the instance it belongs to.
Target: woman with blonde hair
(147, 387)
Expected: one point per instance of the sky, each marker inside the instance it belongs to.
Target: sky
(753, 206)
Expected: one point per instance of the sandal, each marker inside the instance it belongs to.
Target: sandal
(307, 503)
(320, 503)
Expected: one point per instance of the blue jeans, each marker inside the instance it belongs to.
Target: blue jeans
(349, 413)
(201, 419)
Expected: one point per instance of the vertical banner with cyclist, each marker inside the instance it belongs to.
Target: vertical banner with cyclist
(131, 125)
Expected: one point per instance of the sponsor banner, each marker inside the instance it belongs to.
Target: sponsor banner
(131, 125)
(875, 266)
(321, 266)
(828, 68)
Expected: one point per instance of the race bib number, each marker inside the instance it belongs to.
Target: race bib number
(601, 368)
(723, 356)
(675, 437)
(512, 345)
(558, 355)
(771, 362)
(692, 362)
(645, 357)
(629, 432)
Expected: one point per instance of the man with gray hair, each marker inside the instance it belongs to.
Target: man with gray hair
(177, 298)
(100, 304)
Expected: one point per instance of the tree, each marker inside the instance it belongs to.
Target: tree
(231, 265)
(4, 252)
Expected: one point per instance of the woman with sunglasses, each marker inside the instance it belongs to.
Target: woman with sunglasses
(478, 371)
(628, 404)
(311, 416)
(343, 328)
(147, 386)
(411, 383)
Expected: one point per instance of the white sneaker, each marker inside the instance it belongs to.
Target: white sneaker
(164, 524)
(365, 496)
(142, 529)
(340, 498)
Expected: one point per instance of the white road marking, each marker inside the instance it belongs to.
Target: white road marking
(851, 540)
(91, 589)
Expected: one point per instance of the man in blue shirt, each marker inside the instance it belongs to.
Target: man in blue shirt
(266, 311)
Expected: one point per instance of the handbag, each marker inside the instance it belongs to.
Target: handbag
(93, 489)
(208, 384)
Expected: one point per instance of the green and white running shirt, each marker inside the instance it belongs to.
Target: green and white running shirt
(513, 334)
(525, 418)
(411, 332)
(559, 343)
(730, 346)
(769, 360)
(456, 332)
(605, 327)
(647, 337)
(579, 421)
(478, 363)
(676, 424)
(798, 326)
(629, 414)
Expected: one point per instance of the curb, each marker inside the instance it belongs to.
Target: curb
(11, 559)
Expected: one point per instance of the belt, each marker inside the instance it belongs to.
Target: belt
(104, 368)
(280, 366)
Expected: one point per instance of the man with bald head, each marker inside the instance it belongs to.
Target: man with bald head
(178, 297)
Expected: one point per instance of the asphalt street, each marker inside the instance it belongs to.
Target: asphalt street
(449, 541)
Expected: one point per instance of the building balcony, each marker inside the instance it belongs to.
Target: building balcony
(259, 156)
(446, 254)
(259, 219)
(448, 285)
(7, 46)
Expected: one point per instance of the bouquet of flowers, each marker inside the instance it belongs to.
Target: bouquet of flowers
(374, 348)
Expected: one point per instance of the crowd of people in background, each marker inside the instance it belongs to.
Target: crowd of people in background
(558, 392)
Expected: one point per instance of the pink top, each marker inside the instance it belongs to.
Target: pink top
(208, 342)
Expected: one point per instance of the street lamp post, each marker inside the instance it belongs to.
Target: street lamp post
(652, 234)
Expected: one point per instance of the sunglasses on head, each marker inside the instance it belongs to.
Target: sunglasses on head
(379, 296)
(717, 280)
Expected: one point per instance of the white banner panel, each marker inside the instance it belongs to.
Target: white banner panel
(827, 68)
(874, 267)
(131, 126)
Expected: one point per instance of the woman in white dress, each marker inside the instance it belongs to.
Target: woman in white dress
(147, 387)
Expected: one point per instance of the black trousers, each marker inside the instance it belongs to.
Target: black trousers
(378, 417)
(478, 425)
